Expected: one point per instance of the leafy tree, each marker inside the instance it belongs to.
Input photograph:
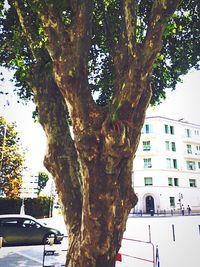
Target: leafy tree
(11, 160)
(125, 53)
(42, 181)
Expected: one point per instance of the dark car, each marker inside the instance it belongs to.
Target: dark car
(19, 229)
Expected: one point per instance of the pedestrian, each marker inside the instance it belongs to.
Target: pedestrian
(189, 210)
(182, 210)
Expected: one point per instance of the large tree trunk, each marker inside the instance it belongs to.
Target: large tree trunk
(107, 200)
(105, 209)
(108, 196)
(96, 207)
(96, 218)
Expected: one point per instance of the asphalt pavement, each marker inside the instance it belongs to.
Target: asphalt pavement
(21, 256)
(178, 239)
(32, 256)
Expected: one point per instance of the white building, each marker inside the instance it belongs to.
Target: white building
(167, 166)
(29, 187)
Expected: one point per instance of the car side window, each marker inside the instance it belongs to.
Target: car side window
(9, 223)
(30, 224)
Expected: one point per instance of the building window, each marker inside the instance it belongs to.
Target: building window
(172, 201)
(147, 128)
(196, 132)
(189, 149)
(166, 129)
(147, 163)
(191, 165)
(167, 145)
(168, 163)
(199, 165)
(173, 145)
(173, 181)
(175, 166)
(170, 181)
(171, 163)
(171, 129)
(148, 181)
(176, 183)
(192, 182)
(146, 146)
(188, 132)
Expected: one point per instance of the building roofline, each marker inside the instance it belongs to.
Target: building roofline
(179, 121)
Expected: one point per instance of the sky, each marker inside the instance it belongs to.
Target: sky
(31, 133)
(184, 102)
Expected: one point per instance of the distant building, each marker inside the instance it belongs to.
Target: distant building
(167, 166)
(29, 187)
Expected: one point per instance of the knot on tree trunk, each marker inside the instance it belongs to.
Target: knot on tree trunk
(87, 146)
(116, 144)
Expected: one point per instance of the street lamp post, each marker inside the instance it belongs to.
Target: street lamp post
(3, 146)
(22, 209)
(180, 197)
(3, 150)
(50, 200)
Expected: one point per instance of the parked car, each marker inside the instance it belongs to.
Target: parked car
(19, 229)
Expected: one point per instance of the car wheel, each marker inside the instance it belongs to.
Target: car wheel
(47, 239)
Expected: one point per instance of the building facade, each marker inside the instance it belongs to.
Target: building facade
(29, 188)
(167, 166)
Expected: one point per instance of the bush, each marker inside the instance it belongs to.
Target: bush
(36, 207)
(10, 205)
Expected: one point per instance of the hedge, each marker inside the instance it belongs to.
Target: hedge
(37, 207)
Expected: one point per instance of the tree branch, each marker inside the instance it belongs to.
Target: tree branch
(140, 111)
(107, 29)
(161, 11)
(68, 47)
(125, 49)
(130, 17)
(77, 34)
(61, 158)
(23, 19)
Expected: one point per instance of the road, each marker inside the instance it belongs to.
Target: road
(32, 256)
(177, 237)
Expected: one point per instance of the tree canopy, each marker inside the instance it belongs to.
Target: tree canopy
(179, 51)
(11, 161)
(42, 181)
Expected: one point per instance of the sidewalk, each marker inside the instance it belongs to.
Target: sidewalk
(11, 257)
(161, 215)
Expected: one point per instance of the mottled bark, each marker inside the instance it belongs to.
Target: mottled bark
(97, 224)
(61, 156)
(106, 169)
